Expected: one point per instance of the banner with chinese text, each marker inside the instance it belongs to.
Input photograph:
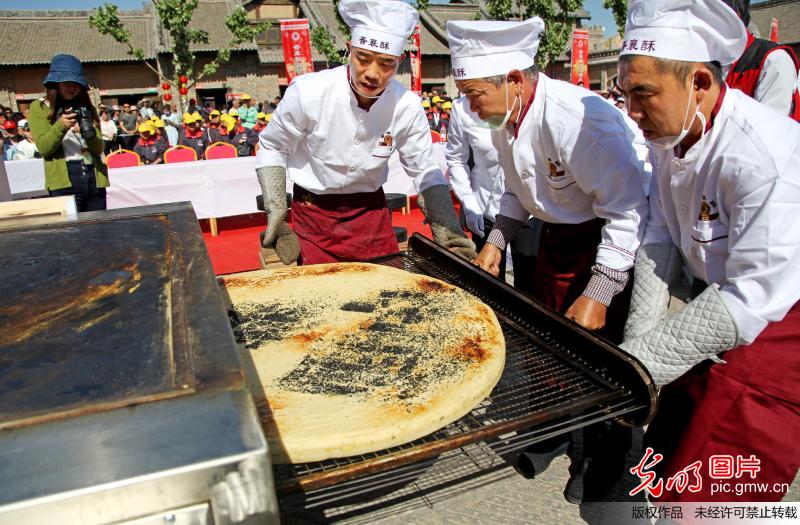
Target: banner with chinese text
(416, 63)
(296, 40)
(580, 57)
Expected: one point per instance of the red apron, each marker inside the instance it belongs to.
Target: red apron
(341, 228)
(567, 253)
(749, 406)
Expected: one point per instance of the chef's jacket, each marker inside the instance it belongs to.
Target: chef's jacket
(732, 205)
(482, 186)
(329, 145)
(572, 159)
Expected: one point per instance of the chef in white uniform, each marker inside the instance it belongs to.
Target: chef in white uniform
(334, 132)
(480, 186)
(725, 202)
(568, 159)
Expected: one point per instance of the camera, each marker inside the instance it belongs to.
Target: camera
(85, 122)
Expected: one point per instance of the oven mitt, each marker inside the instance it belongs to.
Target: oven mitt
(658, 268)
(437, 206)
(279, 236)
(698, 332)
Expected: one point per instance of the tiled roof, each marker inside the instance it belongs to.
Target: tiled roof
(33, 37)
(788, 14)
(210, 17)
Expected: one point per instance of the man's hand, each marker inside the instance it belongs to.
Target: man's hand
(588, 313)
(489, 259)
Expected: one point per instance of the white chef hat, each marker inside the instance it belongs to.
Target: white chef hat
(486, 48)
(379, 25)
(686, 30)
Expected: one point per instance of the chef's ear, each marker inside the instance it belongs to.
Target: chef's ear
(703, 80)
(515, 77)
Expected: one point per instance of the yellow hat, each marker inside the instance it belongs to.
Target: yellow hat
(268, 117)
(147, 127)
(197, 116)
(233, 113)
(188, 117)
(262, 116)
(228, 121)
(426, 103)
(154, 118)
(447, 105)
(160, 123)
(437, 99)
(244, 96)
(214, 113)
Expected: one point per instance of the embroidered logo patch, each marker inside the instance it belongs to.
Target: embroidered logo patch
(553, 168)
(708, 210)
(386, 141)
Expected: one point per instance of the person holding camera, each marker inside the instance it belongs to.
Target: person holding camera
(65, 128)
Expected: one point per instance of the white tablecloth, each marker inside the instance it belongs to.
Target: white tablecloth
(216, 188)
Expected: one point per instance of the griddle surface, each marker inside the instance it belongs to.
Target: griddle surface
(85, 317)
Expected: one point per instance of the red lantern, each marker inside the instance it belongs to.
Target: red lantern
(167, 97)
(184, 90)
(165, 86)
(183, 79)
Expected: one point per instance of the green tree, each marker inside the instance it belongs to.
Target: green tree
(557, 23)
(175, 16)
(619, 8)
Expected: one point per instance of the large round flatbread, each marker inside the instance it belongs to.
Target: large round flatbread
(351, 358)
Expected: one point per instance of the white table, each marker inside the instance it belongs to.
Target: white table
(216, 188)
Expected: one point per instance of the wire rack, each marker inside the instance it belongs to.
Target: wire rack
(548, 388)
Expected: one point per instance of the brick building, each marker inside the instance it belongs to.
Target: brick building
(31, 38)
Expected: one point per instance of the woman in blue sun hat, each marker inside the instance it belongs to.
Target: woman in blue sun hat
(65, 128)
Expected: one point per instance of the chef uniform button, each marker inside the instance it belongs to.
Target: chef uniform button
(358, 142)
(352, 168)
(684, 208)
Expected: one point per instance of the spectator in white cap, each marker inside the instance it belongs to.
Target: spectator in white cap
(725, 199)
(569, 160)
(334, 132)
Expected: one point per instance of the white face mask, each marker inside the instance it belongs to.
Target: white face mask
(498, 121)
(668, 143)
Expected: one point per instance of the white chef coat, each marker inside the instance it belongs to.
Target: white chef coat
(574, 160)
(482, 186)
(747, 171)
(329, 145)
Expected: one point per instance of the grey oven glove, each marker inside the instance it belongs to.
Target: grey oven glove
(698, 332)
(279, 236)
(436, 204)
(658, 268)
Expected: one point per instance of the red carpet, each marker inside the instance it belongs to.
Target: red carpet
(235, 249)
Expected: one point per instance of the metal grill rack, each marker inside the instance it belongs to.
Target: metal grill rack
(557, 378)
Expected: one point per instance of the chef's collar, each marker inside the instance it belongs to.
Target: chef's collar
(527, 107)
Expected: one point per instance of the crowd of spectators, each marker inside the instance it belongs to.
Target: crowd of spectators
(150, 128)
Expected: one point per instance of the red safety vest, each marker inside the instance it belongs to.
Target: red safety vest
(745, 72)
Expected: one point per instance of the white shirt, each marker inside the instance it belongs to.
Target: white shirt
(331, 146)
(776, 82)
(481, 187)
(747, 171)
(26, 150)
(108, 129)
(574, 160)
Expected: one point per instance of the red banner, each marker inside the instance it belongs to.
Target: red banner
(580, 58)
(773, 30)
(416, 64)
(296, 40)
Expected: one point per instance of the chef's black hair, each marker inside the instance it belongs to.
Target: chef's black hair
(742, 8)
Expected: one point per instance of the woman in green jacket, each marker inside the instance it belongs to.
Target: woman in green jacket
(71, 151)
